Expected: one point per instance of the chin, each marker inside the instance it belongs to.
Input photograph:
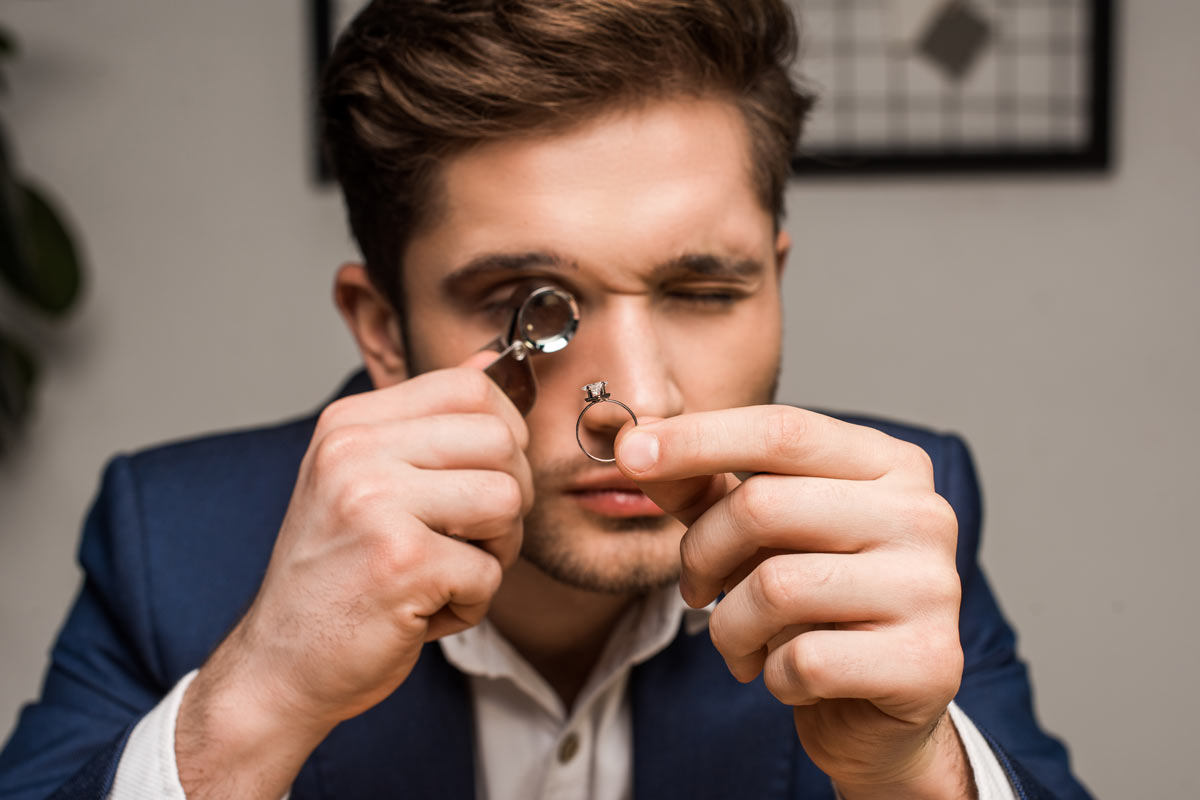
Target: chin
(610, 555)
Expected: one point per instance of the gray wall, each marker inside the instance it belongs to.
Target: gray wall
(1051, 320)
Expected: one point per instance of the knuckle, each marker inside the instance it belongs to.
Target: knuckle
(497, 439)
(942, 516)
(779, 677)
(504, 495)
(355, 502)
(822, 571)
(783, 428)
(474, 387)
(932, 589)
(756, 500)
(942, 662)
(338, 447)
(808, 663)
(928, 514)
(773, 585)
(953, 665)
(331, 416)
(718, 630)
(918, 460)
(691, 555)
(491, 573)
(508, 549)
(388, 556)
(946, 588)
(836, 494)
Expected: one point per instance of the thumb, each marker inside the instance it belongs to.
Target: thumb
(686, 498)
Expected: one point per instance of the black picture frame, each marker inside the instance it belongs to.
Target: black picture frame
(1093, 155)
(320, 45)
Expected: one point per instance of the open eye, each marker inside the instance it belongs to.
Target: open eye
(492, 306)
(495, 301)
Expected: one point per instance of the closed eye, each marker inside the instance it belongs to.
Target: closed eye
(707, 299)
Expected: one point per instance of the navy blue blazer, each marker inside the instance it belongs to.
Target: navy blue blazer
(178, 541)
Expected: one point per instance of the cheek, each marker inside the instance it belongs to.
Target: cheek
(732, 364)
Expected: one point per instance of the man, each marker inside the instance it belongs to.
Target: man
(421, 593)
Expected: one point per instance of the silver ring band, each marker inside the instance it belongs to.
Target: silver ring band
(597, 394)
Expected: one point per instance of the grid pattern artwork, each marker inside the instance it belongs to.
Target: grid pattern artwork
(955, 84)
(930, 85)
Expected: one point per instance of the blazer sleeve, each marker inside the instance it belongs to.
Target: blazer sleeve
(104, 673)
(995, 690)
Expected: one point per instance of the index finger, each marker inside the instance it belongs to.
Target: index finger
(462, 389)
(778, 439)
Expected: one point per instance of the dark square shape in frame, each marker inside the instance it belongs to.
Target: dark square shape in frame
(946, 45)
(956, 39)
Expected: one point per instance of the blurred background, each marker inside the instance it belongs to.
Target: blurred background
(1049, 318)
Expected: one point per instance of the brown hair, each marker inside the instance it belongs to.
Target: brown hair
(412, 82)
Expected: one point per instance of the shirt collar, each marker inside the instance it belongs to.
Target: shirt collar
(645, 630)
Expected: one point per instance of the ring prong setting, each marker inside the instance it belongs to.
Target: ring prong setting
(596, 391)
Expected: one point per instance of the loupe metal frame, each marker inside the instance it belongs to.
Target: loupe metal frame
(512, 370)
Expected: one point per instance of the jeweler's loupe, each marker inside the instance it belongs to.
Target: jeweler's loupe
(542, 319)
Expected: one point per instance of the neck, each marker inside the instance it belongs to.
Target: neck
(560, 630)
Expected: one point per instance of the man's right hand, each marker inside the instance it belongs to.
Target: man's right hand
(407, 509)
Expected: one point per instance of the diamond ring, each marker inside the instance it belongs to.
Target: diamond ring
(597, 393)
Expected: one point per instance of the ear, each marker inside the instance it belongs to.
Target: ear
(373, 322)
(783, 245)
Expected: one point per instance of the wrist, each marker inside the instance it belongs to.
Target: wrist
(939, 771)
(235, 736)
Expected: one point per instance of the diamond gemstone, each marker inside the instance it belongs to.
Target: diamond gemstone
(595, 389)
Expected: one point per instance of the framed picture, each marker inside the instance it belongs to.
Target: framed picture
(912, 86)
(924, 86)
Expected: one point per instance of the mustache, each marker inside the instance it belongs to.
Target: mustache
(565, 471)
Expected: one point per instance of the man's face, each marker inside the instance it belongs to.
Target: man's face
(648, 216)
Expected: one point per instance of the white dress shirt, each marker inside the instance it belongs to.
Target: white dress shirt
(528, 746)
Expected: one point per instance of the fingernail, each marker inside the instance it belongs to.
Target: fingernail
(639, 451)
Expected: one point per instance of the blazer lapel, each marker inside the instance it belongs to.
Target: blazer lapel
(420, 742)
(698, 733)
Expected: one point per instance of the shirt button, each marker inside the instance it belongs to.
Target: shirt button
(568, 748)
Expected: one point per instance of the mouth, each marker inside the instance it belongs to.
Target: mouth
(611, 494)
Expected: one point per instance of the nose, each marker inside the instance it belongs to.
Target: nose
(630, 353)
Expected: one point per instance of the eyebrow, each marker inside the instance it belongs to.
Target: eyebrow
(704, 264)
(708, 265)
(508, 262)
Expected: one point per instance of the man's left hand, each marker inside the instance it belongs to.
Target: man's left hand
(836, 557)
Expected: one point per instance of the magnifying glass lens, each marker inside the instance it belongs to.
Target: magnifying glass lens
(547, 319)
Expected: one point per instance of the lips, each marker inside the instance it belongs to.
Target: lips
(611, 494)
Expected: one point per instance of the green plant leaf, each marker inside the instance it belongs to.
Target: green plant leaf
(8, 49)
(37, 254)
(10, 213)
(8, 44)
(18, 374)
(7, 178)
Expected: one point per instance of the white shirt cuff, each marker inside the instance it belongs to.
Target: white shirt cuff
(147, 770)
(990, 778)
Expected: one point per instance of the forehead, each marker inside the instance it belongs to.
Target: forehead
(621, 189)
